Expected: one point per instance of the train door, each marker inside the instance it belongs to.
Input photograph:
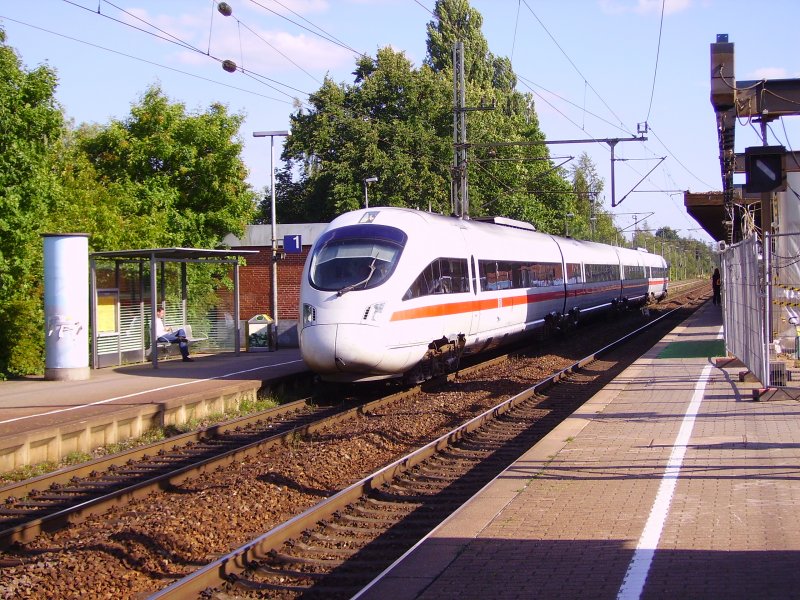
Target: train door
(473, 326)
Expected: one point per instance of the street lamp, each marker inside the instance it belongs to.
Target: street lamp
(367, 181)
(272, 135)
(566, 223)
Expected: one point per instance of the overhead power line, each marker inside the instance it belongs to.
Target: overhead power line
(144, 60)
(574, 66)
(167, 37)
(658, 53)
(327, 36)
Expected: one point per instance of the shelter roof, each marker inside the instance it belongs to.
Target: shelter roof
(174, 254)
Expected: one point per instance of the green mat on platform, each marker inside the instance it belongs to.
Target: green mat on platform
(698, 349)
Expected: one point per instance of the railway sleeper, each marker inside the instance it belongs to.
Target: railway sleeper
(290, 559)
(11, 513)
(132, 472)
(358, 544)
(89, 487)
(255, 586)
(376, 520)
(340, 552)
(419, 487)
(33, 505)
(331, 536)
(460, 453)
(389, 504)
(451, 472)
(348, 530)
(436, 477)
(401, 496)
(379, 512)
(268, 570)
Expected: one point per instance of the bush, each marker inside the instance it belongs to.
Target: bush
(22, 337)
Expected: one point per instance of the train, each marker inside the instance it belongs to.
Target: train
(390, 293)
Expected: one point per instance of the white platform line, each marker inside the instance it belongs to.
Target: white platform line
(639, 567)
(158, 389)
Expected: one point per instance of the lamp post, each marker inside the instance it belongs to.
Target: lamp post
(272, 135)
(567, 216)
(367, 181)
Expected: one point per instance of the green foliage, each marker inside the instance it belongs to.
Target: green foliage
(389, 124)
(30, 125)
(22, 352)
(178, 178)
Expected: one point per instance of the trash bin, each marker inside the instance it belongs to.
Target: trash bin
(260, 334)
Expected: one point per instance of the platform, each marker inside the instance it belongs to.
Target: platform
(46, 420)
(670, 483)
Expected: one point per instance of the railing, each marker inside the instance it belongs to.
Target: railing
(762, 304)
(744, 306)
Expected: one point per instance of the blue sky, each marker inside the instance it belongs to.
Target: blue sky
(596, 68)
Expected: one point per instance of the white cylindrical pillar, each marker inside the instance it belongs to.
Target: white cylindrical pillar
(66, 306)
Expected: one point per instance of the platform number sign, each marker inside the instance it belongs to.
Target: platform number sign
(292, 244)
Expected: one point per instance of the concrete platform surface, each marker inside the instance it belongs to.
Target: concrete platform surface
(670, 483)
(45, 420)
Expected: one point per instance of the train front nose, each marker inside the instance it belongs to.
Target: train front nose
(340, 348)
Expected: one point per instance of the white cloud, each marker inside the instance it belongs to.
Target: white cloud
(770, 73)
(644, 7)
(268, 50)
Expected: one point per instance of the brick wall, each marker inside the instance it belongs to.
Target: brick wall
(255, 283)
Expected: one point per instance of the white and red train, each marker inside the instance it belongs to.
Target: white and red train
(394, 292)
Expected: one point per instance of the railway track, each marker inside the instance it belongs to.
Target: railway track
(334, 549)
(53, 501)
(298, 422)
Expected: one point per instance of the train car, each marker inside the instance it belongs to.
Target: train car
(394, 292)
(658, 277)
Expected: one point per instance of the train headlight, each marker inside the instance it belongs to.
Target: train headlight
(309, 315)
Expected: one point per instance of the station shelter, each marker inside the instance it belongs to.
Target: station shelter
(198, 288)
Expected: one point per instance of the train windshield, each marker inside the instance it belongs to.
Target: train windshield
(355, 257)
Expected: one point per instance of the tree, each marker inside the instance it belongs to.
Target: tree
(389, 123)
(178, 178)
(668, 234)
(31, 125)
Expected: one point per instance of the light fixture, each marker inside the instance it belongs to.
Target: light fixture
(367, 181)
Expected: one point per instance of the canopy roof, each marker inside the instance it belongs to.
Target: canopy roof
(175, 254)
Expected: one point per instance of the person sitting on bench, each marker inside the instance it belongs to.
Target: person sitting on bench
(166, 334)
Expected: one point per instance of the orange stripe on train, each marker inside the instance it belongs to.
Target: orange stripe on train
(454, 308)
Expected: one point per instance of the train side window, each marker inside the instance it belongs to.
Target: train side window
(600, 273)
(573, 273)
(634, 272)
(441, 276)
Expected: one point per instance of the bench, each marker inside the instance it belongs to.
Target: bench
(163, 347)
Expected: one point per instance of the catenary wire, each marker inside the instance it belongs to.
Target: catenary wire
(658, 53)
(332, 40)
(175, 40)
(144, 60)
(574, 66)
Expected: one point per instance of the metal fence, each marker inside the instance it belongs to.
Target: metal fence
(762, 304)
(744, 304)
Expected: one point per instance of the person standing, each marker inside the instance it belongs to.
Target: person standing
(167, 334)
(716, 286)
